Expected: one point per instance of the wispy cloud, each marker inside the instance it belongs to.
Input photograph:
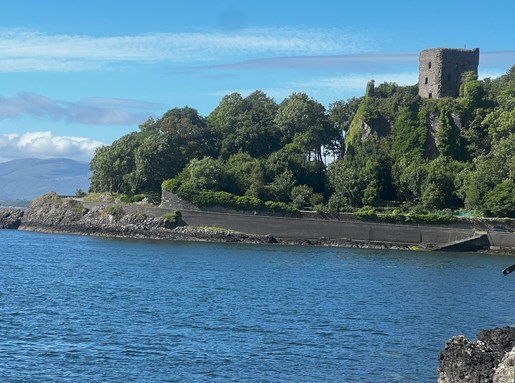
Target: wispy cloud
(24, 50)
(351, 62)
(359, 81)
(46, 145)
(497, 59)
(90, 111)
(358, 62)
(331, 88)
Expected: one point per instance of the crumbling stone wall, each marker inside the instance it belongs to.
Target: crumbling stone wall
(440, 70)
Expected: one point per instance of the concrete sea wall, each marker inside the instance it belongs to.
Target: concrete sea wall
(312, 226)
(50, 213)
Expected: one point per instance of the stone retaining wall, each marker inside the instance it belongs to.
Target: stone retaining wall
(314, 226)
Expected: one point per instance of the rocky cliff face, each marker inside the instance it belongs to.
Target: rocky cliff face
(50, 213)
(10, 218)
(487, 360)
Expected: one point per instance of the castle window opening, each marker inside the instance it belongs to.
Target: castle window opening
(429, 65)
(425, 80)
(430, 95)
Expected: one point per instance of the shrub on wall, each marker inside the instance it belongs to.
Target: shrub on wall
(369, 214)
(249, 203)
(172, 217)
(209, 198)
(280, 207)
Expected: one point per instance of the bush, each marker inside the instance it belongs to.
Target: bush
(80, 193)
(171, 185)
(209, 198)
(280, 207)
(123, 198)
(300, 196)
(206, 198)
(316, 199)
(369, 214)
(248, 203)
(138, 197)
(101, 197)
(366, 213)
(172, 217)
(500, 202)
(116, 211)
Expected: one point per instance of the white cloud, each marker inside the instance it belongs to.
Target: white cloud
(24, 50)
(46, 145)
(89, 111)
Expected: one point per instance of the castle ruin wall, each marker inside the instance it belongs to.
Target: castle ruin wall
(440, 70)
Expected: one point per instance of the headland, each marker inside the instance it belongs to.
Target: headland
(53, 214)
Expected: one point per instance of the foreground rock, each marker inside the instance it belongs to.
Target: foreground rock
(489, 359)
(505, 372)
(10, 218)
(50, 213)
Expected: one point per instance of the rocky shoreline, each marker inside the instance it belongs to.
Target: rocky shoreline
(10, 218)
(490, 359)
(52, 214)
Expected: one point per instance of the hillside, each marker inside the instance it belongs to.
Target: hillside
(391, 150)
(26, 179)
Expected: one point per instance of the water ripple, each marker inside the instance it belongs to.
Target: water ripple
(79, 309)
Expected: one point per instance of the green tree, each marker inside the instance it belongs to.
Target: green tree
(500, 123)
(245, 125)
(245, 174)
(187, 132)
(113, 166)
(408, 176)
(292, 158)
(367, 168)
(207, 174)
(300, 196)
(409, 135)
(500, 201)
(485, 172)
(449, 141)
(439, 187)
(281, 186)
(340, 117)
(300, 115)
(156, 160)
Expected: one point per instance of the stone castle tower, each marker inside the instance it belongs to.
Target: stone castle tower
(440, 70)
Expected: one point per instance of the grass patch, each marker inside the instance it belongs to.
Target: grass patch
(116, 212)
(172, 217)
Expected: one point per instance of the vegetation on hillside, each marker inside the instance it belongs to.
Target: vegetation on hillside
(390, 148)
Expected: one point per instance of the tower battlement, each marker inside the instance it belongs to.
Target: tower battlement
(440, 70)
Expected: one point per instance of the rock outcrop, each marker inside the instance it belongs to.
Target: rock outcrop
(505, 372)
(477, 362)
(50, 213)
(10, 218)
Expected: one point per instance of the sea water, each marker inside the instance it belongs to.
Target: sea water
(85, 309)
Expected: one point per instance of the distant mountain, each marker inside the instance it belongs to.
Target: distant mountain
(29, 178)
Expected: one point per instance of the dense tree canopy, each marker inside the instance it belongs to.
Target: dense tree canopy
(388, 148)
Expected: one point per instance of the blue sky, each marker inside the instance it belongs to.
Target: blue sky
(78, 74)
